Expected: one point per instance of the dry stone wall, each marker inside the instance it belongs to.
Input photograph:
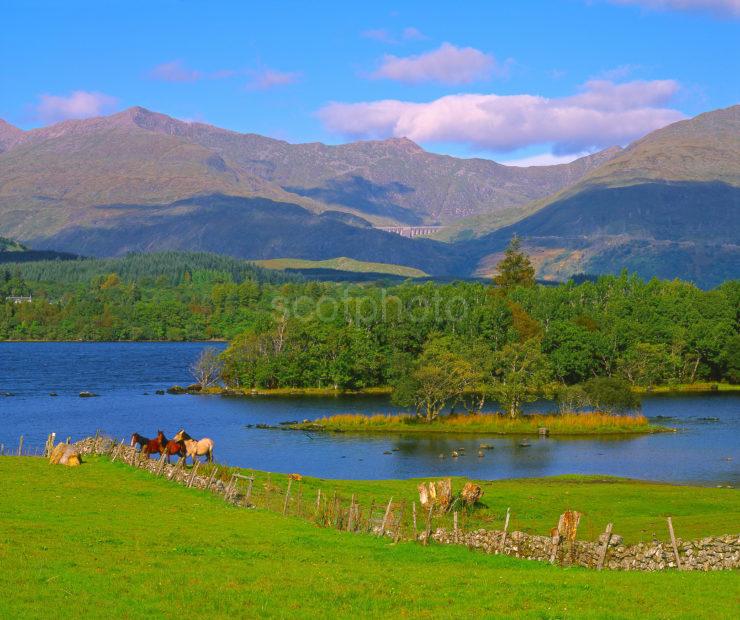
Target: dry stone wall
(712, 553)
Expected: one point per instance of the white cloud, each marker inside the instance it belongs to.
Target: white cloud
(264, 79)
(79, 104)
(447, 64)
(602, 114)
(174, 71)
(720, 8)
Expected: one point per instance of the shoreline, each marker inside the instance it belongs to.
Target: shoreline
(690, 388)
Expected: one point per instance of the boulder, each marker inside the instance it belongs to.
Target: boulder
(177, 389)
(65, 454)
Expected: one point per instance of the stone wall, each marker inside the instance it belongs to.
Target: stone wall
(712, 553)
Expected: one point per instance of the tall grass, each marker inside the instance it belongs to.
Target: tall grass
(591, 423)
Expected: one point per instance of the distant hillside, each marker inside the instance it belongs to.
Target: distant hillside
(10, 245)
(251, 228)
(69, 174)
(341, 264)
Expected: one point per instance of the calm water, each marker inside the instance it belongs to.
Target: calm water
(705, 451)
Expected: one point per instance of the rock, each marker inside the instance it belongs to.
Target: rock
(442, 456)
(176, 389)
(485, 446)
(481, 454)
(159, 392)
(524, 444)
(8, 394)
(65, 454)
(387, 452)
(454, 454)
(86, 394)
(194, 387)
(53, 394)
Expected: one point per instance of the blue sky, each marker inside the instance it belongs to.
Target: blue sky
(507, 80)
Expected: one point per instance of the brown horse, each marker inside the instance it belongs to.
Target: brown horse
(148, 446)
(174, 448)
(196, 447)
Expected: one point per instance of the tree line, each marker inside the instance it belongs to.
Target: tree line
(508, 341)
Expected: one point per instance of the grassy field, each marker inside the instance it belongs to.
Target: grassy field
(341, 264)
(104, 540)
(487, 423)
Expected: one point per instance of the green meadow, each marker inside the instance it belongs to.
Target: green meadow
(105, 540)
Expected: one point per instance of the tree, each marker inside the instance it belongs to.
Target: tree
(207, 368)
(611, 395)
(439, 378)
(518, 374)
(515, 269)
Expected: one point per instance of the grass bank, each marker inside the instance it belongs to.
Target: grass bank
(689, 388)
(109, 541)
(486, 423)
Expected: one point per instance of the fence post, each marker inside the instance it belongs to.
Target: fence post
(400, 523)
(673, 542)
(454, 522)
(413, 513)
(428, 531)
(287, 496)
(506, 531)
(213, 477)
(20, 445)
(370, 516)
(605, 546)
(161, 464)
(385, 517)
(249, 489)
(193, 474)
(299, 507)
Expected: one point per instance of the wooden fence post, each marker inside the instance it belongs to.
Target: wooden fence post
(162, 460)
(20, 445)
(673, 542)
(428, 530)
(318, 504)
(370, 516)
(213, 477)
(193, 474)
(506, 531)
(397, 537)
(454, 522)
(116, 451)
(385, 517)
(287, 496)
(299, 499)
(413, 513)
(249, 489)
(605, 546)
(178, 466)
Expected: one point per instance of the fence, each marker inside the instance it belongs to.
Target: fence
(402, 520)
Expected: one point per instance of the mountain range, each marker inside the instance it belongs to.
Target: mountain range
(141, 181)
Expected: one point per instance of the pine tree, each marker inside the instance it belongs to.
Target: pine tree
(515, 269)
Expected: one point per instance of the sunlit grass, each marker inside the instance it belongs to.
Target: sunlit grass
(491, 423)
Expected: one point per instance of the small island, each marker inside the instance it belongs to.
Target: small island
(592, 423)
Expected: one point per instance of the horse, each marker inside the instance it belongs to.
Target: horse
(148, 446)
(174, 448)
(196, 447)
